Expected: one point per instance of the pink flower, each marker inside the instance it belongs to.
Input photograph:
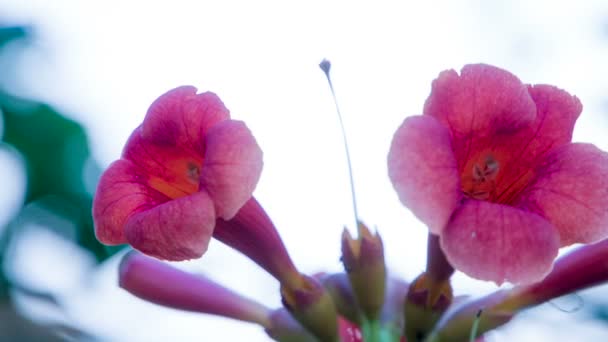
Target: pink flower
(490, 168)
(184, 167)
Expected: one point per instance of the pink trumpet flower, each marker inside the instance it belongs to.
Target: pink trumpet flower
(491, 169)
(187, 165)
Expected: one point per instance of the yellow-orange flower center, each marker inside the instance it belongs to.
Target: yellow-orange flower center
(180, 177)
(487, 177)
(481, 182)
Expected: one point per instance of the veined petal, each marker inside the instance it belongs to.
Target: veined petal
(570, 190)
(176, 230)
(521, 152)
(423, 170)
(496, 242)
(122, 191)
(182, 118)
(481, 102)
(557, 112)
(232, 167)
(518, 153)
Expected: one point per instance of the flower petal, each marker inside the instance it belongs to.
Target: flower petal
(570, 189)
(521, 152)
(482, 102)
(122, 191)
(557, 112)
(232, 166)
(423, 170)
(176, 230)
(182, 118)
(495, 242)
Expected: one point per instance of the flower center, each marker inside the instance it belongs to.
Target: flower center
(489, 178)
(180, 177)
(481, 182)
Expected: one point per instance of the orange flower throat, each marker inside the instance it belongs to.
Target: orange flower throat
(487, 178)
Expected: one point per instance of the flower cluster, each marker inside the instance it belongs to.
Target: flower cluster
(489, 167)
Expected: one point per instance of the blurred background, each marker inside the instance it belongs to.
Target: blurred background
(76, 77)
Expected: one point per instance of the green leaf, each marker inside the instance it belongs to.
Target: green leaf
(8, 34)
(56, 155)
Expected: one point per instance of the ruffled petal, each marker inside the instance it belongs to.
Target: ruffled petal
(495, 242)
(423, 170)
(492, 116)
(176, 230)
(482, 102)
(521, 152)
(122, 191)
(232, 167)
(182, 118)
(557, 112)
(570, 189)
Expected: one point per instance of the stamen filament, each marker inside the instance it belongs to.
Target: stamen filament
(325, 65)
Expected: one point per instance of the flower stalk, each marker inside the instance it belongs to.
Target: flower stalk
(252, 233)
(430, 294)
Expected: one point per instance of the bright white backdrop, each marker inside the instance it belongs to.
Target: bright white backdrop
(104, 62)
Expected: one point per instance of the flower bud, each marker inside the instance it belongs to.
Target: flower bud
(310, 303)
(429, 295)
(363, 260)
(158, 282)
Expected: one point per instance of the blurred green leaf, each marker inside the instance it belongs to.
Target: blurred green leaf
(56, 152)
(8, 34)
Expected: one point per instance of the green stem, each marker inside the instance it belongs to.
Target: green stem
(373, 331)
(475, 327)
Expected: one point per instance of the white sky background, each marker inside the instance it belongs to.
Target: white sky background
(104, 62)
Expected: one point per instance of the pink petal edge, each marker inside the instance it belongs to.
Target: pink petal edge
(182, 118)
(423, 170)
(571, 191)
(176, 230)
(232, 167)
(557, 112)
(121, 192)
(500, 243)
(482, 99)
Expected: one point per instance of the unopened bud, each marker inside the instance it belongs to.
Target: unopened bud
(363, 260)
(430, 294)
(310, 303)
